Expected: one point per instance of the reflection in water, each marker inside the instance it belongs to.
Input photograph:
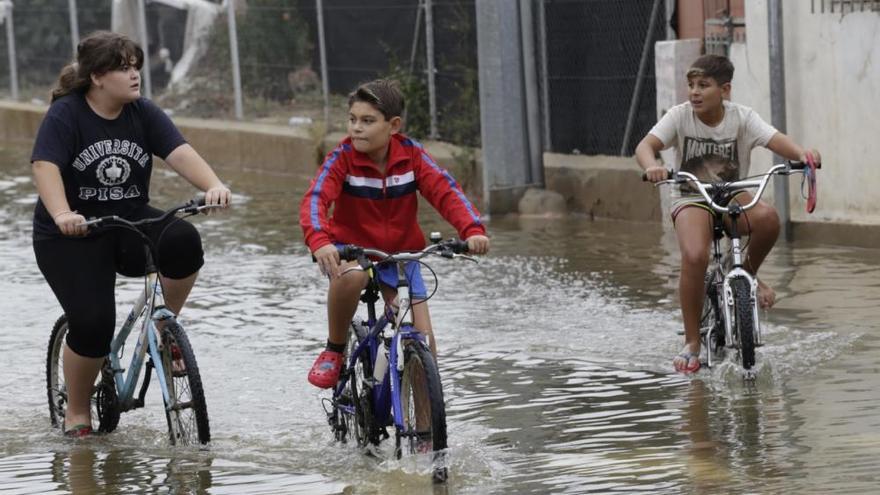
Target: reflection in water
(85, 469)
(554, 353)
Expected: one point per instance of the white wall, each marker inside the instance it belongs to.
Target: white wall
(832, 83)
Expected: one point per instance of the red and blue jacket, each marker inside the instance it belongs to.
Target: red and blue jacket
(380, 210)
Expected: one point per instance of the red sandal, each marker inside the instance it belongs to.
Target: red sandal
(325, 371)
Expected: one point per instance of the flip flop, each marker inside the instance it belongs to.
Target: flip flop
(688, 356)
(78, 431)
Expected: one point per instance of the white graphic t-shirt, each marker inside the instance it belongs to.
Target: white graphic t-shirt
(741, 130)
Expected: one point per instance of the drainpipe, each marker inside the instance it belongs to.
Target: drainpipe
(532, 101)
(777, 108)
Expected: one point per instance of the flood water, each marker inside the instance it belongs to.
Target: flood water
(555, 354)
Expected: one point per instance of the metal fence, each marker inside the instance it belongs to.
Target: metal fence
(594, 52)
(270, 62)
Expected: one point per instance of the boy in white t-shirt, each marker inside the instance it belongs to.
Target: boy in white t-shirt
(709, 126)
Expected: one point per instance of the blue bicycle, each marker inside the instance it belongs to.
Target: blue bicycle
(390, 377)
(160, 336)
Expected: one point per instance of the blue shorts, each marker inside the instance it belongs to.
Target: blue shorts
(388, 276)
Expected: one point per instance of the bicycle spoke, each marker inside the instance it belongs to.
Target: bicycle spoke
(185, 410)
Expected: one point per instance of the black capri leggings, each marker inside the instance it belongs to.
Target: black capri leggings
(82, 273)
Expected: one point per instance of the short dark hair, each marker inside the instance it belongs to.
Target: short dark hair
(384, 94)
(717, 67)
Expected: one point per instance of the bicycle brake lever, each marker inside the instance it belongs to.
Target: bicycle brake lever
(469, 258)
(364, 262)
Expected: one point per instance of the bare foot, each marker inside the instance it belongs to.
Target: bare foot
(766, 295)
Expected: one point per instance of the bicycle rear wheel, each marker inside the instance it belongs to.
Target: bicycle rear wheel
(745, 321)
(712, 320)
(104, 402)
(354, 408)
(185, 409)
(424, 411)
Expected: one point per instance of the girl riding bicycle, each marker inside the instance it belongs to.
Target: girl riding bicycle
(93, 157)
(370, 181)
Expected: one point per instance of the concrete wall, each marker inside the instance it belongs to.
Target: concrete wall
(252, 146)
(602, 186)
(832, 83)
(236, 145)
(598, 186)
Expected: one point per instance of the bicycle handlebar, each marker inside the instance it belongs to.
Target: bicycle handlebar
(191, 207)
(449, 248)
(682, 177)
(670, 174)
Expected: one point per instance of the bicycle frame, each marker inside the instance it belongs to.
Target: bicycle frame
(386, 396)
(150, 301)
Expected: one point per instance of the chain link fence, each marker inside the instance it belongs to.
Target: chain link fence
(591, 55)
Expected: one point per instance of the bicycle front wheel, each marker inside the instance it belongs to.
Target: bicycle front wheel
(421, 397)
(104, 401)
(185, 408)
(745, 321)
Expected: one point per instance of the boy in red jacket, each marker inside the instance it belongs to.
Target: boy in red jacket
(370, 179)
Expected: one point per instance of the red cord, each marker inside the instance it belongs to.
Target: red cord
(811, 184)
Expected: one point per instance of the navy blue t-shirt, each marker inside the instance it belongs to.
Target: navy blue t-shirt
(105, 164)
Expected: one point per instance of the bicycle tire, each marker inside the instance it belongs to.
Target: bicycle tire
(360, 425)
(745, 321)
(419, 368)
(185, 411)
(712, 320)
(104, 401)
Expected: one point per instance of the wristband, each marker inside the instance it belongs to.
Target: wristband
(62, 213)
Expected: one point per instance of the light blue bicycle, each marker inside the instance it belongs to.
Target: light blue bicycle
(159, 336)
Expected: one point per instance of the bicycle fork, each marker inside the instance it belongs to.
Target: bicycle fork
(737, 271)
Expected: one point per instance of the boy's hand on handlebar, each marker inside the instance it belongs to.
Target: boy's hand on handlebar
(478, 244)
(656, 173)
(218, 195)
(71, 223)
(327, 258)
(816, 156)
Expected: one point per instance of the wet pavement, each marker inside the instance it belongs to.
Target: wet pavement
(555, 354)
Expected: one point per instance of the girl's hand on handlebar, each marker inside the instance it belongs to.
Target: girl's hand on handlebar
(218, 195)
(327, 258)
(478, 244)
(70, 223)
(656, 173)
